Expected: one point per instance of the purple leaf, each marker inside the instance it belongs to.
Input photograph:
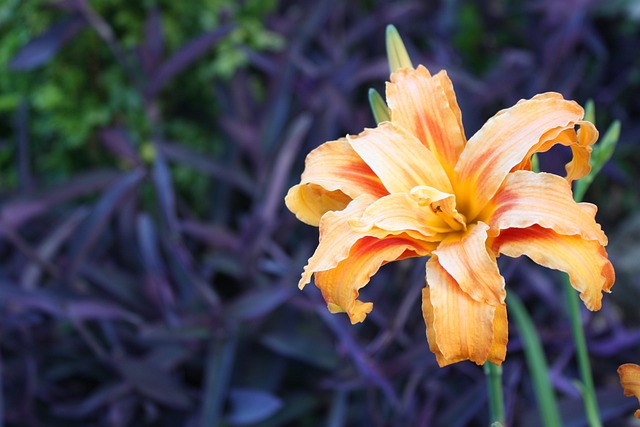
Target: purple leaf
(42, 48)
(100, 215)
(189, 53)
(64, 305)
(152, 49)
(183, 270)
(314, 349)
(164, 191)
(163, 333)
(615, 344)
(178, 153)
(118, 141)
(100, 398)
(248, 406)
(213, 235)
(155, 278)
(87, 309)
(16, 212)
(461, 410)
(366, 366)
(50, 246)
(148, 241)
(276, 187)
(258, 303)
(241, 131)
(221, 357)
(153, 382)
(116, 283)
(278, 110)
(168, 356)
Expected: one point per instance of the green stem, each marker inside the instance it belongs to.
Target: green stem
(587, 388)
(536, 362)
(496, 397)
(584, 365)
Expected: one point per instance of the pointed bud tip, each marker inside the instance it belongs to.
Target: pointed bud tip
(396, 51)
(378, 106)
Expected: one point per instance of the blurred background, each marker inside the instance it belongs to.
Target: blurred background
(148, 265)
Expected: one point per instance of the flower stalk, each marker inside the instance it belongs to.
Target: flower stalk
(496, 396)
(582, 354)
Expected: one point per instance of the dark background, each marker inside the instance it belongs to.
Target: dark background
(148, 266)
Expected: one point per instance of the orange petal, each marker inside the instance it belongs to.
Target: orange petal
(399, 159)
(586, 261)
(310, 201)
(340, 285)
(579, 141)
(333, 175)
(459, 327)
(400, 212)
(579, 166)
(504, 142)
(465, 257)
(498, 350)
(427, 313)
(336, 238)
(630, 381)
(527, 198)
(426, 106)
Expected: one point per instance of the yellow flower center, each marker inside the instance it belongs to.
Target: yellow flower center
(442, 204)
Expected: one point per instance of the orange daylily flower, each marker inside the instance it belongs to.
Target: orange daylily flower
(630, 381)
(414, 186)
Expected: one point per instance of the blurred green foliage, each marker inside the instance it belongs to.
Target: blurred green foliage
(469, 38)
(83, 88)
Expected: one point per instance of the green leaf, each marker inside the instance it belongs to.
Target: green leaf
(605, 148)
(602, 152)
(590, 112)
(536, 362)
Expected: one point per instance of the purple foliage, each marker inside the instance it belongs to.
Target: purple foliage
(44, 47)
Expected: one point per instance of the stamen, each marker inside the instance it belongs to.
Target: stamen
(454, 219)
(442, 204)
